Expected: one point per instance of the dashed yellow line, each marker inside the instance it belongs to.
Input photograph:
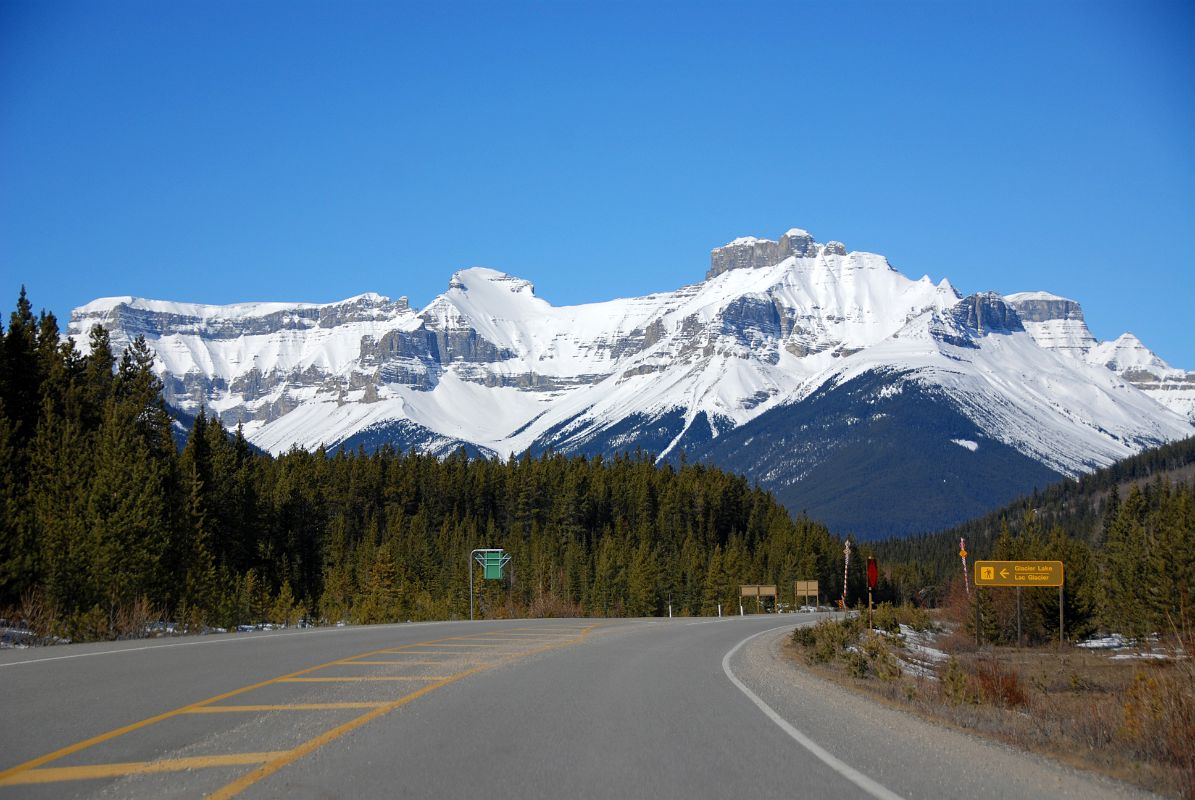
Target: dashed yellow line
(498, 639)
(402, 662)
(283, 707)
(94, 771)
(461, 644)
(457, 653)
(361, 678)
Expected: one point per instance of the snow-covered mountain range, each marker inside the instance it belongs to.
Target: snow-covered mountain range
(776, 329)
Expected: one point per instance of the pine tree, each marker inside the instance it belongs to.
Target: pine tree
(643, 582)
(16, 567)
(62, 557)
(22, 387)
(381, 600)
(1124, 570)
(127, 514)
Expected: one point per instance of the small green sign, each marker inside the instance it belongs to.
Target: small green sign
(492, 562)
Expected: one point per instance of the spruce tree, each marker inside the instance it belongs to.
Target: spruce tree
(643, 582)
(1124, 568)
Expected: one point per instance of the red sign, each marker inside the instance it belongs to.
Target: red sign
(873, 574)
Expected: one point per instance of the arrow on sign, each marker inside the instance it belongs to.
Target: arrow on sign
(1003, 573)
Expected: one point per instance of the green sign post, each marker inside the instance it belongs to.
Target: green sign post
(492, 560)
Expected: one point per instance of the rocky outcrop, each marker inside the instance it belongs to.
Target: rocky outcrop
(1042, 307)
(128, 318)
(986, 312)
(749, 252)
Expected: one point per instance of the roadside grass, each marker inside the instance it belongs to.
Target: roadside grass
(1130, 719)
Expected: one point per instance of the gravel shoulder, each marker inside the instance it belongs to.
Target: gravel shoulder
(908, 755)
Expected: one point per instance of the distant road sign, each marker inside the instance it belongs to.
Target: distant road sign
(806, 587)
(756, 590)
(1018, 573)
(872, 573)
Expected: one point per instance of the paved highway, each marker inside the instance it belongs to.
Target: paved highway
(523, 708)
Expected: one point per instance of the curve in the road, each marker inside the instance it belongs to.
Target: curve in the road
(853, 775)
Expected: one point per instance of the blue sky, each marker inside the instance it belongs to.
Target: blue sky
(220, 152)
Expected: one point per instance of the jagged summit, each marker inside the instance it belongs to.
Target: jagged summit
(1126, 352)
(750, 252)
(479, 277)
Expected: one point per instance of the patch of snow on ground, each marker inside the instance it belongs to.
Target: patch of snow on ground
(1111, 642)
(918, 643)
(1127, 656)
(919, 656)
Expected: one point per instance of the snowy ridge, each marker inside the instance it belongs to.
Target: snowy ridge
(490, 364)
(1056, 323)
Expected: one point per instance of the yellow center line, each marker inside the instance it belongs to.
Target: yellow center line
(400, 661)
(456, 653)
(502, 639)
(94, 771)
(358, 678)
(525, 636)
(457, 644)
(285, 707)
(289, 757)
(392, 662)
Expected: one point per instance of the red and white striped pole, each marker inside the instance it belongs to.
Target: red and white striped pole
(846, 566)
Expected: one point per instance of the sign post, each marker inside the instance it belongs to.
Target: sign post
(492, 560)
(1018, 574)
(873, 573)
(759, 592)
(806, 589)
(962, 553)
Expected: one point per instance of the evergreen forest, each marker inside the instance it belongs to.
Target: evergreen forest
(1125, 534)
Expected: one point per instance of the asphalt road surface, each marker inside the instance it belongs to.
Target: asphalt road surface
(524, 708)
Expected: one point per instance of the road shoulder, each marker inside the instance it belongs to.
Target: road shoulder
(906, 754)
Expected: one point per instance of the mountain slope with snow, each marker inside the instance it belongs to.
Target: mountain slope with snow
(1057, 324)
(771, 332)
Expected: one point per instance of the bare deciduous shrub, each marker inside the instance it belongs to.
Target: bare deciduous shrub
(1000, 685)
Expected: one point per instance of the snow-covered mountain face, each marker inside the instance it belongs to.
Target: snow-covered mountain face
(1057, 324)
(775, 324)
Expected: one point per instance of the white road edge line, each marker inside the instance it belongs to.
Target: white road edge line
(853, 775)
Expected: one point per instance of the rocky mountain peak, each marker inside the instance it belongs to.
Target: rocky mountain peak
(748, 252)
(1055, 322)
(1127, 352)
(484, 278)
(1044, 307)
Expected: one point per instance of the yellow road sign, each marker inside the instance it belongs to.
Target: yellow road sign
(1018, 573)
